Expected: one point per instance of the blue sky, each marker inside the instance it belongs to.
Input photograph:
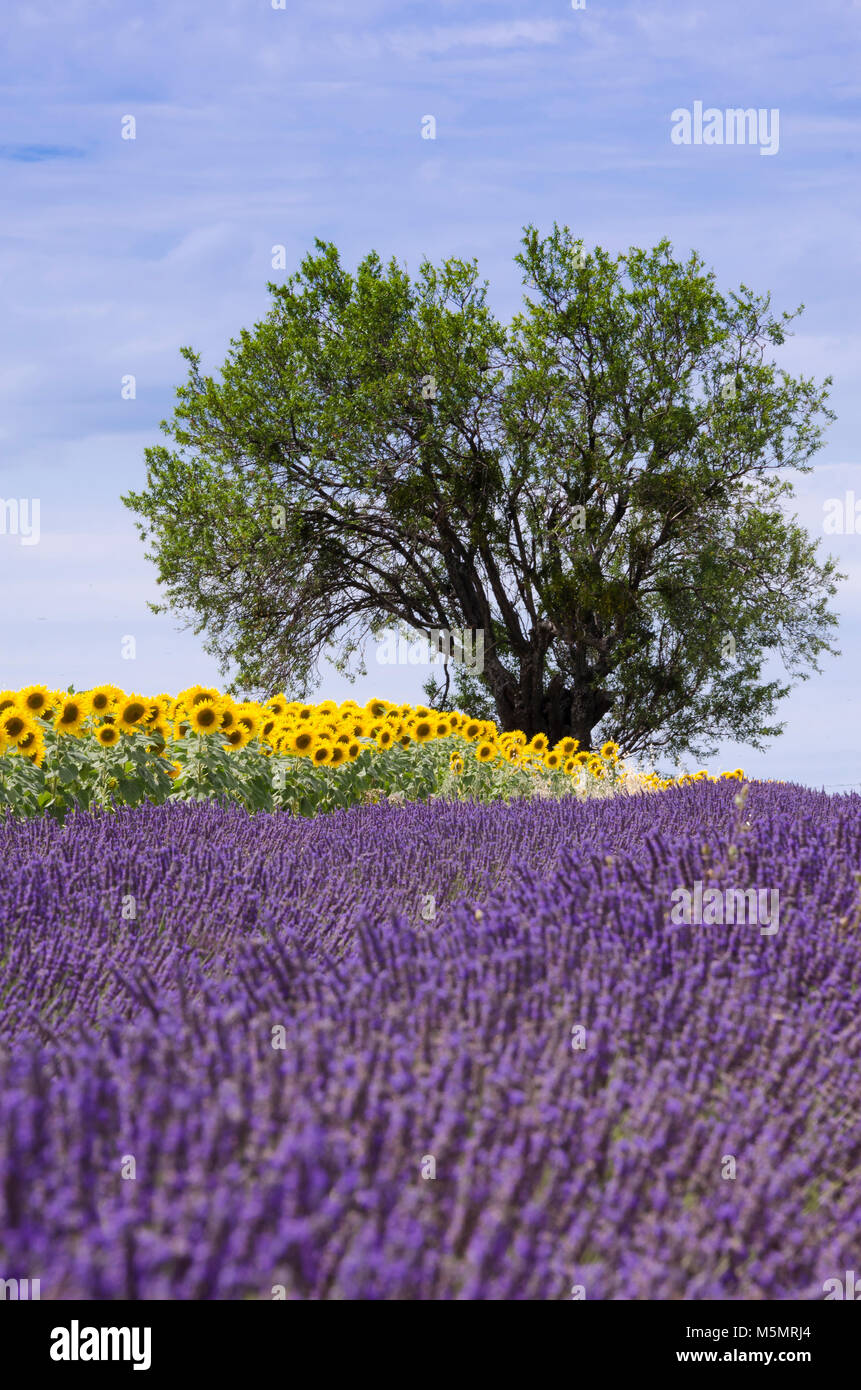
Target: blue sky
(258, 126)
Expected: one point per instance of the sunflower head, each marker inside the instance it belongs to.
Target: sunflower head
(104, 697)
(539, 743)
(471, 730)
(205, 717)
(455, 763)
(108, 735)
(552, 761)
(278, 705)
(385, 738)
(303, 740)
(15, 724)
(337, 755)
(236, 738)
(486, 751)
(422, 730)
(567, 746)
(610, 750)
(322, 752)
(376, 708)
(36, 699)
(71, 713)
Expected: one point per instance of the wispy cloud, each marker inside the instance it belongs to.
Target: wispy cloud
(37, 154)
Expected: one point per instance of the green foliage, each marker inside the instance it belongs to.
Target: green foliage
(598, 486)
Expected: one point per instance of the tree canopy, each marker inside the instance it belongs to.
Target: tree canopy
(599, 486)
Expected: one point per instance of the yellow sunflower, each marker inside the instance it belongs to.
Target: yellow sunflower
(421, 729)
(322, 752)
(385, 738)
(552, 761)
(455, 763)
(302, 741)
(104, 697)
(338, 755)
(108, 735)
(205, 717)
(236, 738)
(131, 712)
(71, 714)
(539, 743)
(278, 705)
(610, 750)
(15, 724)
(567, 746)
(32, 746)
(485, 751)
(195, 694)
(36, 699)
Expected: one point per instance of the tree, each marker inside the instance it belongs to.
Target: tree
(597, 486)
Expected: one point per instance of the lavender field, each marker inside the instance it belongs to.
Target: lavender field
(432, 1051)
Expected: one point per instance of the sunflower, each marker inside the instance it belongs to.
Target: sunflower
(195, 694)
(455, 763)
(278, 705)
(131, 712)
(228, 715)
(103, 697)
(338, 755)
(236, 738)
(567, 746)
(569, 766)
(71, 714)
(15, 724)
(581, 758)
(36, 699)
(322, 753)
(539, 743)
(471, 730)
(385, 738)
(421, 730)
(305, 712)
(552, 761)
(7, 698)
(376, 709)
(302, 741)
(248, 717)
(610, 750)
(205, 717)
(108, 735)
(485, 751)
(32, 746)
(353, 750)
(422, 711)
(442, 729)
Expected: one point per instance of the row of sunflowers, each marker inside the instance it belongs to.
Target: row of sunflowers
(60, 749)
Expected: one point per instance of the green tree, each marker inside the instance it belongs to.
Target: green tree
(598, 486)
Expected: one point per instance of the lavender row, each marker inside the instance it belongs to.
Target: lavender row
(442, 1051)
